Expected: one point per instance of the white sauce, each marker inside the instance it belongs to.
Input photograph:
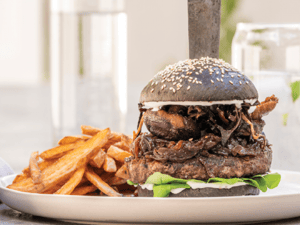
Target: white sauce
(238, 103)
(196, 185)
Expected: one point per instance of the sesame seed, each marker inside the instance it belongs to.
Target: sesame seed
(232, 76)
(152, 83)
(174, 83)
(152, 90)
(162, 87)
(222, 76)
(239, 75)
(218, 79)
(174, 90)
(180, 80)
(221, 80)
(212, 81)
(240, 82)
(188, 88)
(247, 82)
(197, 73)
(230, 82)
(194, 81)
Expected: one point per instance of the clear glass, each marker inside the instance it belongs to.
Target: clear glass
(88, 65)
(270, 55)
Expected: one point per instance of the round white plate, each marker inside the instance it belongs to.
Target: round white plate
(280, 203)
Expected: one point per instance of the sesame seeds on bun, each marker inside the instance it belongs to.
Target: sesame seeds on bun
(199, 80)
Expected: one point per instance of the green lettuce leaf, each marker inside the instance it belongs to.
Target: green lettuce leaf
(131, 183)
(272, 180)
(163, 184)
(159, 178)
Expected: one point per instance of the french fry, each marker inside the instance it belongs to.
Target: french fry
(106, 176)
(34, 169)
(109, 164)
(63, 168)
(100, 184)
(42, 165)
(89, 130)
(72, 139)
(116, 181)
(68, 187)
(98, 160)
(122, 172)
(118, 154)
(84, 189)
(61, 150)
(122, 146)
(20, 177)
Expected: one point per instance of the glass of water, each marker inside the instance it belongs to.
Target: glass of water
(270, 55)
(88, 65)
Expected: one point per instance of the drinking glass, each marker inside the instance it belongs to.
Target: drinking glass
(88, 65)
(270, 55)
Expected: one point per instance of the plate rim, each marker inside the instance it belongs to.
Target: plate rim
(156, 198)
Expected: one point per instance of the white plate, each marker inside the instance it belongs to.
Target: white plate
(282, 202)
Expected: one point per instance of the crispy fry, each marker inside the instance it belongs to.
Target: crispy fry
(109, 164)
(84, 189)
(100, 184)
(122, 146)
(72, 139)
(42, 165)
(68, 187)
(34, 169)
(122, 172)
(116, 181)
(60, 150)
(89, 130)
(106, 176)
(98, 160)
(118, 154)
(63, 168)
(20, 177)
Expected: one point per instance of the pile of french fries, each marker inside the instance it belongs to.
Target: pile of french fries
(87, 164)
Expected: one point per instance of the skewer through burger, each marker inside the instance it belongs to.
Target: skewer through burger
(203, 140)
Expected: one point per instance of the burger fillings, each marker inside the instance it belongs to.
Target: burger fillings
(197, 112)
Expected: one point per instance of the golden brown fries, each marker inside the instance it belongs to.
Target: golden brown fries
(42, 165)
(98, 160)
(34, 169)
(109, 164)
(20, 177)
(62, 169)
(117, 153)
(61, 150)
(80, 165)
(82, 190)
(68, 187)
(100, 184)
(116, 181)
(72, 139)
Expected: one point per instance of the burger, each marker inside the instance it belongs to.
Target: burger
(205, 134)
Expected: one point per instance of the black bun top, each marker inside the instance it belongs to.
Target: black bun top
(205, 79)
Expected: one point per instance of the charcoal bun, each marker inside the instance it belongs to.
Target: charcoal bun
(207, 192)
(205, 79)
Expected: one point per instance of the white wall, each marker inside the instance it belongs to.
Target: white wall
(21, 40)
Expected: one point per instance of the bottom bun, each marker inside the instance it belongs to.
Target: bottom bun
(207, 192)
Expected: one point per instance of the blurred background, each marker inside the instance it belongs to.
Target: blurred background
(157, 35)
